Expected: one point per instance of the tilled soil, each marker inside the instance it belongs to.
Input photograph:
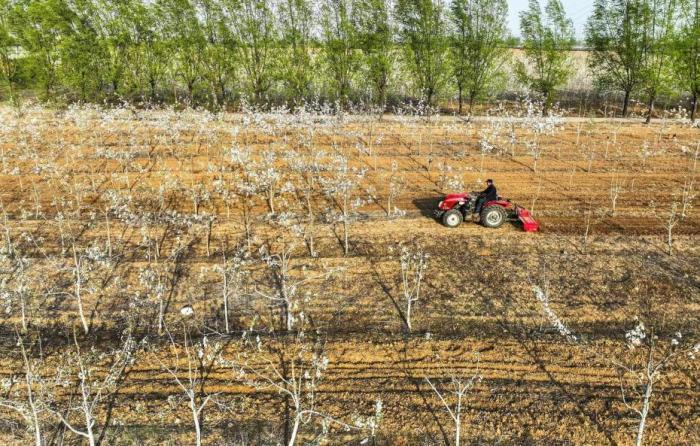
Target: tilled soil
(95, 183)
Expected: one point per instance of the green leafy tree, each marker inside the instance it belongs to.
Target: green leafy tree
(255, 39)
(114, 25)
(149, 54)
(218, 58)
(657, 71)
(9, 46)
(41, 27)
(422, 31)
(296, 27)
(339, 39)
(185, 41)
(375, 35)
(616, 35)
(83, 67)
(477, 45)
(547, 41)
(687, 54)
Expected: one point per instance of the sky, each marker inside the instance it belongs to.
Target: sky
(576, 10)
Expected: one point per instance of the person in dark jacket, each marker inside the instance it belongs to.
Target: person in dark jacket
(486, 195)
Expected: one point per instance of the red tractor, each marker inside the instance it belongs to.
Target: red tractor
(455, 208)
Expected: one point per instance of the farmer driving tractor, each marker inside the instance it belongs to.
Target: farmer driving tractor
(491, 210)
(486, 195)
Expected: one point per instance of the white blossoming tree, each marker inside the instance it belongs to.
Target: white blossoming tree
(341, 184)
(537, 126)
(542, 295)
(308, 165)
(413, 262)
(87, 265)
(295, 370)
(231, 272)
(452, 392)
(288, 290)
(266, 178)
(396, 183)
(648, 362)
(95, 389)
(29, 399)
(189, 364)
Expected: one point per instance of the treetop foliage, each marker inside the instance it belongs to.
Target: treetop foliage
(219, 53)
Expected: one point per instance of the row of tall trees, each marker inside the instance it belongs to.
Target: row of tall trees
(646, 46)
(213, 52)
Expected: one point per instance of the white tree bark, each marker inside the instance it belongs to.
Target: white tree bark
(78, 289)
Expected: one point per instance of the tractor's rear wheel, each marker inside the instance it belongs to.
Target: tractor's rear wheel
(493, 216)
(452, 218)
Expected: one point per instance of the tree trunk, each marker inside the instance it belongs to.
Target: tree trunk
(225, 298)
(88, 422)
(79, 298)
(109, 235)
(625, 103)
(693, 106)
(13, 100)
(409, 303)
(161, 316)
(650, 108)
(286, 417)
(310, 226)
(287, 408)
(37, 428)
(345, 224)
(23, 308)
(270, 200)
(458, 429)
(643, 415)
(197, 428)
(286, 308)
(91, 437)
(246, 222)
(545, 103)
(382, 100)
(345, 235)
(152, 84)
(295, 429)
(190, 92)
(28, 376)
(460, 99)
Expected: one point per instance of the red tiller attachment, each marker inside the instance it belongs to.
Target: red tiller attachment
(529, 223)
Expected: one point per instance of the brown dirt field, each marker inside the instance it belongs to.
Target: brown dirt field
(60, 171)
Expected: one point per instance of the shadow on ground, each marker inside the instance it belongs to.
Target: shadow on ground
(426, 206)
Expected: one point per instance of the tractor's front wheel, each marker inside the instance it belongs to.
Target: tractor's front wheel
(452, 218)
(493, 216)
